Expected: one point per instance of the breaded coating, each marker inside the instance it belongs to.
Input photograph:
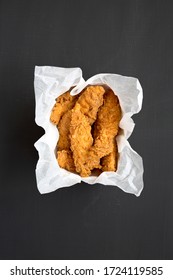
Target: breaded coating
(65, 160)
(90, 100)
(63, 103)
(105, 129)
(81, 140)
(64, 132)
(88, 124)
(61, 116)
(109, 162)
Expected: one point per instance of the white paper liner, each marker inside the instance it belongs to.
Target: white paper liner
(49, 83)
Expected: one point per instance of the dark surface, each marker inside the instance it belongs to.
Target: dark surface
(132, 38)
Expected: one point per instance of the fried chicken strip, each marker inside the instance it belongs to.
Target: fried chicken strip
(64, 131)
(109, 162)
(61, 116)
(90, 100)
(81, 140)
(63, 103)
(105, 129)
(83, 116)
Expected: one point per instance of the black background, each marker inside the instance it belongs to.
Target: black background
(132, 38)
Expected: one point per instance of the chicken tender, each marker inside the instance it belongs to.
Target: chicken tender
(90, 101)
(109, 162)
(105, 129)
(61, 116)
(64, 132)
(63, 103)
(81, 140)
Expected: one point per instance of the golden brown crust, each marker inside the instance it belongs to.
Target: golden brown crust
(78, 149)
(90, 100)
(64, 131)
(61, 116)
(109, 162)
(65, 160)
(81, 140)
(63, 103)
(105, 129)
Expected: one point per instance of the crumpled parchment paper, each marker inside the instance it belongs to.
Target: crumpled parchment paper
(49, 83)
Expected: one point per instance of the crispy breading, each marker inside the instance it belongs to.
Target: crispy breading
(87, 124)
(90, 100)
(109, 162)
(65, 160)
(61, 116)
(83, 116)
(81, 140)
(63, 103)
(105, 129)
(64, 131)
